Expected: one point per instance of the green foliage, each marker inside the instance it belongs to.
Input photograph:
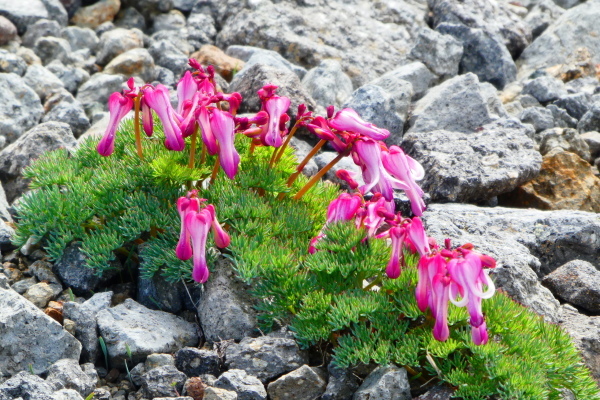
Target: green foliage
(123, 209)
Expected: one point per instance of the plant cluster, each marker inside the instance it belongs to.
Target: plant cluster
(326, 271)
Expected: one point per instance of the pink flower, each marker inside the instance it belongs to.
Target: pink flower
(207, 134)
(223, 128)
(393, 269)
(344, 208)
(147, 121)
(186, 88)
(158, 100)
(184, 206)
(406, 170)
(276, 107)
(118, 107)
(349, 120)
(198, 225)
(221, 237)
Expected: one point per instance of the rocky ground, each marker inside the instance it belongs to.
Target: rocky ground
(499, 100)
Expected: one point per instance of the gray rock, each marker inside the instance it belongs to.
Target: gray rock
(24, 14)
(158, 294)
(29, 338)
(246, 386)
(165, 76)
(144, 331)
(483, 54)
(171, 21)
(86, 328)
(41, 28)
(385, 107)
(590, 120)
(440, 392)
(545, 89)
(52, 48)
(327, 32)
(201, 30)
(496, 18)
(561, 41)
(6, 234)
(561, 118)
(474, 166)
(226, 309)
(25, 386)
(136, 62)
(74, 273)
(44, 137)
(539, 117)
(42, 81)
(56, 11)
(456, 105)
(150, 7)
(346, 163)
(265, 357)
(67, 374)
(301, 150)
(42, 270)
(167, 55)
(440, 53)
(304, 383)
(593, 141)
(22, 285)
(67, 394)
(196, 362)
(72, 114)
(385, 383)
(184, 5)
(129, 18)
(253, 55)
(165, 381)
(416, 73)
(40, 294)
(20, 107)
(259, 75)
(71, 77)
(94, 93)
(80, 38)
(10, 62)
(211, 393)
(543, 13)
(576, 282)
(514, 108)
(341, 385)
(565, 139)
(158, 360)
(493, 102)
(8, 31)
(576, 104)
(327, 84)
(176, 38)
(118, 41)
(585, 332)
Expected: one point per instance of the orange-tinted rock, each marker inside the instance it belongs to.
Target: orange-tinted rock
(566, 182)
(96, 14)
(225, 65)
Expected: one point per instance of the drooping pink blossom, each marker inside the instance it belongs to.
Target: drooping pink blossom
(198, 225)
(186, 88)
(349, 120)
(184, 206)
(406, 170)
(158, 99)
(223, 127)
(118, 107)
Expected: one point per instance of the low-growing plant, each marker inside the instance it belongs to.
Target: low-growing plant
(316, 259)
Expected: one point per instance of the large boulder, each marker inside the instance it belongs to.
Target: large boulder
(20, 107)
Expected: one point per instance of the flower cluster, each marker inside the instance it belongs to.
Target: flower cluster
(197, 219)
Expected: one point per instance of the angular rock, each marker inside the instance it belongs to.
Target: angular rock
(8, 31)
(545, 89)
(565, 182)
(167, 55)
(539, 18)
(26, 386)
(67, 394)
(44, 137)
(456, 105)
(41, 28)
(73, 272)
(590, 121)
(71, 113)
(585, 332)
(483, 54)
(212, 393)
(42, 81)
(135, 62)
(593, 141)
(96, 14)
(40, 294)
(385, 383)
(24, 14)
(575, 104)
(416, 73)
(304, 383)
(474, 166)
(56, 11)
(561, 118)
(341, 385)
(80, 38)
(29, 339)
(563, 39)
(10, 62)
(94, 93)
(144, 331)
(327, 84)
(172, 21)
(578, 283)
(52, 48)
(246, 386)
(20, 107)
(565, 139)
(67, 374)
(440, 53)
(440, 392)
(164, 381)
(118, 41)
(265, 357)
(200, 29)
(539, 117)
(150, 8)
(196, 362)
(84, 316)
(259, 75)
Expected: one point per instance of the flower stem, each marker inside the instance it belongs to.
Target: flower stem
(193, 147)
(138, 136)
(273, 156)
(301, 166)
(318, 176)
(215, 171)
(287, 141)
